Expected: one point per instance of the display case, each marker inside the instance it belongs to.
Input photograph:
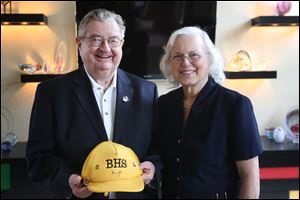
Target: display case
(279, 169)
(15, 183)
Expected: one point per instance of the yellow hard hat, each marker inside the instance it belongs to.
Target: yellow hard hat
(112, 167)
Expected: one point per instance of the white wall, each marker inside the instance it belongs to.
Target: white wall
(277, 46)
(35, 44)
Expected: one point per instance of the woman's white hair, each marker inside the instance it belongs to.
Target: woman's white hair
(215, 58)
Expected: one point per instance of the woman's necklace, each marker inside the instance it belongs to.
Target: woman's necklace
(187, 105)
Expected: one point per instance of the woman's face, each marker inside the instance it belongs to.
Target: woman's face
(189, 60)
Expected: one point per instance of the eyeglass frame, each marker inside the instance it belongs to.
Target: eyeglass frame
(101, 40)
(180, 57)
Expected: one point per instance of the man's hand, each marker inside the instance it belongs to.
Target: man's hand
(148, 171)
(77, 186)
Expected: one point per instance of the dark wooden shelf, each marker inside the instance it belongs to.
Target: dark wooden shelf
(24, 19)
(281, 160)
(18, 184)
(250, 74)
(25, 78)
(286, 153)
(275, 21)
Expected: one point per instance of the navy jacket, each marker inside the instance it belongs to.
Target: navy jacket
(199, 156)
(66, 125)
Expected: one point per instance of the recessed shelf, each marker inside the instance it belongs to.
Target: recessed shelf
(275, 21)
(25, 78)
(24, 19)
(250, 74)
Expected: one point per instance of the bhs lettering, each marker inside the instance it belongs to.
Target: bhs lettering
(116, 163)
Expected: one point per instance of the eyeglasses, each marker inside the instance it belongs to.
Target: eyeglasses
(192, 58)
(97, 41)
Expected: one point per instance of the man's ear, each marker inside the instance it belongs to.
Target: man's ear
(78, 42)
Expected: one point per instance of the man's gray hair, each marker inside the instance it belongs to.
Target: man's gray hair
(100, 15)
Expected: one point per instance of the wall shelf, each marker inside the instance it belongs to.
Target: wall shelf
(275, 21)
(25, 78)
(24, 19)
(250, 74)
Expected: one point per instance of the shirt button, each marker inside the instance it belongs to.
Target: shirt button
(177, 178)
(177, 159)
(104, 100)
(178, 142)
(106, 113)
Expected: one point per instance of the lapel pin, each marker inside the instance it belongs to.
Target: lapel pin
(125, 99)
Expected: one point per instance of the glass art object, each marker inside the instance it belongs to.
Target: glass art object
(30, 68)
(4, 4)
(283, 7)
(291, 123)
(241, 62)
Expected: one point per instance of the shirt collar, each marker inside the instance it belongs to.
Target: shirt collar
(96, 85)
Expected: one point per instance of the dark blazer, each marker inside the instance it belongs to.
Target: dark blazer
(199, 156)
(66, 125)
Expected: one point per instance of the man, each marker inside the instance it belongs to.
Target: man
(96, 103)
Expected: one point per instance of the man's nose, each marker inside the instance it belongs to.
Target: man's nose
(104, 45)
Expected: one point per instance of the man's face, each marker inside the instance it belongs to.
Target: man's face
(101, 49)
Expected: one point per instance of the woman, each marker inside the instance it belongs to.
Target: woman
(209, 137)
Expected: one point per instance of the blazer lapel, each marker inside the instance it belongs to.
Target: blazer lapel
(84, 93)
(123, 104)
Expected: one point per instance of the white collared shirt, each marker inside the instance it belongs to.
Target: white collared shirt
(106, 103)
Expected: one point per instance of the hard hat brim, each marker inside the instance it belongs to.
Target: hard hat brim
(123, 185)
